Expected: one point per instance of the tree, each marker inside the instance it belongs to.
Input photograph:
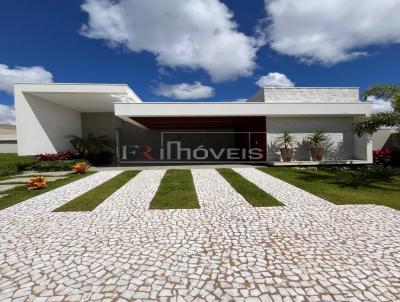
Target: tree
(389, 93)
(85, 146)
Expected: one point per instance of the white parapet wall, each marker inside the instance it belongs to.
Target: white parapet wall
(306, 95)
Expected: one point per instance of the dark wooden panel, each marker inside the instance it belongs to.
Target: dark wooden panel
(237, 123)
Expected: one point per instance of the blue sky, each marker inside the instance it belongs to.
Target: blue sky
(201, 50)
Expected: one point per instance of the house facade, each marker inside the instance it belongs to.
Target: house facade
(248, 131)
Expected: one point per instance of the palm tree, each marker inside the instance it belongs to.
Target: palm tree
(315, 140)
(286, 140)
(286, 143)
(389, 93)
(85, 146)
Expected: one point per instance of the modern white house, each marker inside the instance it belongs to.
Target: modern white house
(165, 131)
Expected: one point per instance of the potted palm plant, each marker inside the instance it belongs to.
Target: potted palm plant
(286, 144)
(315, 140)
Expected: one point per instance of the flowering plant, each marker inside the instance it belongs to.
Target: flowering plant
(384, 156)
(81, 167)
(37, 183)
(62, 155)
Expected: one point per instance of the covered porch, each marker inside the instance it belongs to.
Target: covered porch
(209, 140)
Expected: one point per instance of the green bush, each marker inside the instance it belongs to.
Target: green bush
(383, 173)
(352, 178)
(56, 165)
(11, 163)
(364, 176)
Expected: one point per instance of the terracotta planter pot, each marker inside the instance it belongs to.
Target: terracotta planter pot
(287, 154)
(317, 154)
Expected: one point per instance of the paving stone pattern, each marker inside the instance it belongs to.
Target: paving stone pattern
(5, 187)
(307, 250)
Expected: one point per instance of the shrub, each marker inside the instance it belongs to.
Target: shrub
(37, 183)
(11, 163)
(81, 167)
(384, 157)
(57, 165)
(364, 176)
(352, 178)
(382, 173)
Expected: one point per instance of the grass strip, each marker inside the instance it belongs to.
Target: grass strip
(91, 199)
(253, 194)
(21, 193)
(324, 183)
(176, 191)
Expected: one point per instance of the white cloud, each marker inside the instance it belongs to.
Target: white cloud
(331, 31)
(274, 79)
(7, 114)
(184, 91)
(195, 34)
(34, 74)
(379, 105)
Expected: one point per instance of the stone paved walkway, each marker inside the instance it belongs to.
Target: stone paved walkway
(308, 250)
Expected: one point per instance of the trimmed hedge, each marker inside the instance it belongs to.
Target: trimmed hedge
(54, 165)
(11, 164)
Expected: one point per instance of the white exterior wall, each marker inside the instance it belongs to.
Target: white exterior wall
(340, 138)
(42, 125)
(363, 146)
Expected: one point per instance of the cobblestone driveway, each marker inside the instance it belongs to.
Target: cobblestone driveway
(308, 250)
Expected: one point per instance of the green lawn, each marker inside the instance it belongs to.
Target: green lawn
(21, 193)
(253, 194)
(91, 199)
(176, 191)
(324, 183)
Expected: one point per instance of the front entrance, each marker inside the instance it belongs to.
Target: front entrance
(203, 140)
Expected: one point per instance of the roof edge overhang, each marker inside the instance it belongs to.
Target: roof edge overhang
(241, 109)
(78, 96)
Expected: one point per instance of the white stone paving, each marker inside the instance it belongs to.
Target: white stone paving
(213, 191)
(304, 251)
(288, 194)
(9, 187)
(134, 195)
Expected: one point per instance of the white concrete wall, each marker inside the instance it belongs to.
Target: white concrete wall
(340, 138)
(363, 146)
(42, 126)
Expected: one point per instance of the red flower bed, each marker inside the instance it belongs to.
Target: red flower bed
(384, 156)
(62, 155)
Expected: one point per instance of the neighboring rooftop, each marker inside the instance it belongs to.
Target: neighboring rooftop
(8, 132)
